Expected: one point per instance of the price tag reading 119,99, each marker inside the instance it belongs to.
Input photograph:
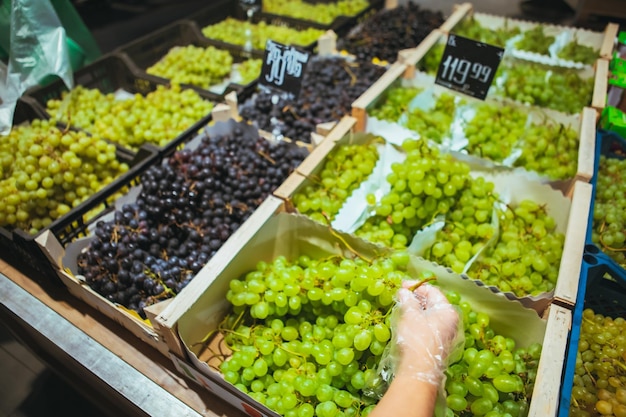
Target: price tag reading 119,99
(468, 66)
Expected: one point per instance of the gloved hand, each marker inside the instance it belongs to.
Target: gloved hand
(427, 330)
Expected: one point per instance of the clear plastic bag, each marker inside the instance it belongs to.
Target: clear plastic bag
(38, 49)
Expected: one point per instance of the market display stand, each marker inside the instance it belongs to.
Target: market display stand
(99, 358)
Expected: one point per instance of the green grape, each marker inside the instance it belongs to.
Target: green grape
(473, 29)
(159, 117)
(555, 88)
(535, 40)
(609, 220)
(525, 259)
(322, 12)
(236, 31)
(574, 51)
(395, 103)
(344, 169)
(46, 171)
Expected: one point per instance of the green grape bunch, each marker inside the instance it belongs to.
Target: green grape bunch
(306, 337)
(345, 168)
(426, 184)
(434, 123)
(526, 257)
(599, 384)
(195, 65)
(322, 12)
(468, 227)
(471, 28)
(494, 131)
(577, 52)
(493, 377)
(609, 212)
(236, 31)
(45, 171)
(157, 118)
(395, 103)
(535, 40)
(560, 89)
(550, 149)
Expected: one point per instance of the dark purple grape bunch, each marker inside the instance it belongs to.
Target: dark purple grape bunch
(187, 208)
(388, 32)
(329, 86)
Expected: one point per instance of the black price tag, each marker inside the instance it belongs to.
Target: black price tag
(468, 66)
(283, 68)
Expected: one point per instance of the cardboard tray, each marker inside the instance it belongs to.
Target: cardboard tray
(290, 235)
(110, 74)
(603, 289)
(63, 254)
(149, 49)
(20, 248)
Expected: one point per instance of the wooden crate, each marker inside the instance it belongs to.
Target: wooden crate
(546, 394)
(569, 271)
(63, 258)
(288, 234)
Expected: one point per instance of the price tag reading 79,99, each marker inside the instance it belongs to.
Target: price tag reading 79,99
(468, 66)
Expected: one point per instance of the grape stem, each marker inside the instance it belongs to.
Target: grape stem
(419, 284)
(220, 328)
(345, 243)
(604, 245)
(617, 362)
(590, 375)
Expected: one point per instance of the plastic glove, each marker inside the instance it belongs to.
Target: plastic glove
(427, 331)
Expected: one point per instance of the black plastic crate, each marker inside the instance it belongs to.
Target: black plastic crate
(149, 49)
(225, 9)
(602, 287)
(20, 248)
(109, 74)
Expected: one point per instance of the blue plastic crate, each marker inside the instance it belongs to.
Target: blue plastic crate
(602, 287)
(611, 145)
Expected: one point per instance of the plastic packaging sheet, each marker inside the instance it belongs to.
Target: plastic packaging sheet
(38, 49)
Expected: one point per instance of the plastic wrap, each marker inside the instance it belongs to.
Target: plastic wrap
(427, 335)
(39, 48)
